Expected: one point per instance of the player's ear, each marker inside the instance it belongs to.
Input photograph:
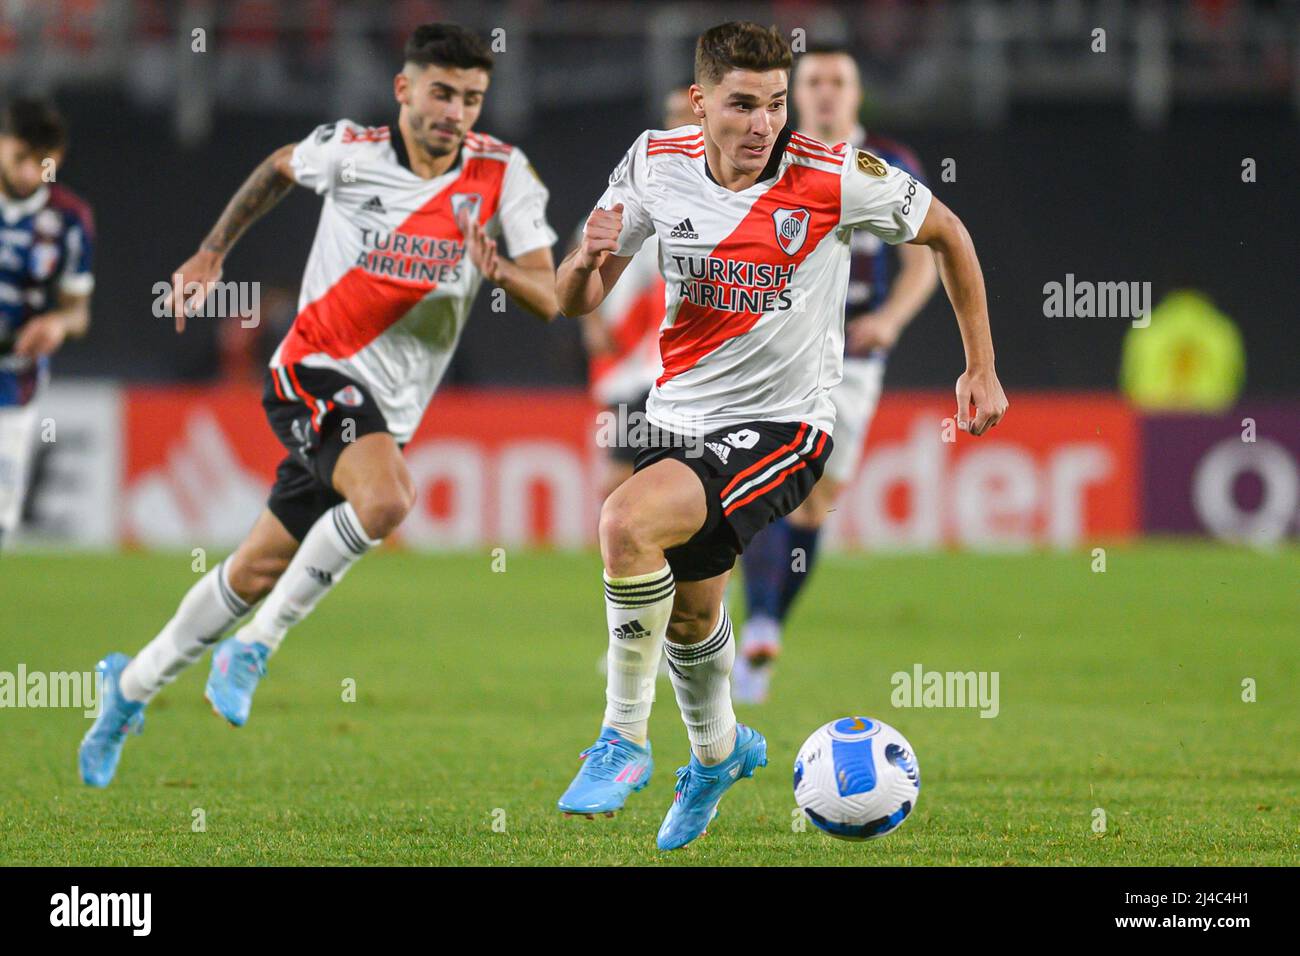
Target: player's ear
(402, 88)
(696, 97)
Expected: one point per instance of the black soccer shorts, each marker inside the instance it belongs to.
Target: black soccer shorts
(752, 474)
(629, 447)
(315, 413)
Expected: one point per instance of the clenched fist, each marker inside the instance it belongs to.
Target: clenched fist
(600, 236)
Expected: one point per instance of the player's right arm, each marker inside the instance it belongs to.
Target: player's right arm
(615, 230)
(267, 185)
(589, 272)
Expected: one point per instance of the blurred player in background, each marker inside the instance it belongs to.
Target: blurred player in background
(888, 286)
(622, 336)
(406, 237)
(753, 221)
(46, 248)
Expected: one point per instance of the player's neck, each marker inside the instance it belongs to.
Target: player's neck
(830, 135)
(723, 172)
(420, 162)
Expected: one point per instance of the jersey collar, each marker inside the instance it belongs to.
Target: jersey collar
(15, 210)
(398, 142)
(773, 161)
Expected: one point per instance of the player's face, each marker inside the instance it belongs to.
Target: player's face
(826, 92)
(21, 166)
(677, 110)
(743, 113)
(442, 104)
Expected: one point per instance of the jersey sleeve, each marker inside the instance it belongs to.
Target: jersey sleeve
(884, 200)
(78, 275)
(523, 207)
(315, 159)
(627, 185)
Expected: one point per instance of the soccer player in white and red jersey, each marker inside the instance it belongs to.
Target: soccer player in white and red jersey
(888, 286)
(407, 234)
(752, 345)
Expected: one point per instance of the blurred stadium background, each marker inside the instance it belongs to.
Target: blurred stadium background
(1171, 158)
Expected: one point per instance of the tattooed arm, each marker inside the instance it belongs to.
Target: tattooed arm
(267, 185)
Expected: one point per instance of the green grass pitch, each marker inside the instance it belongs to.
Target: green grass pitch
(476, 689)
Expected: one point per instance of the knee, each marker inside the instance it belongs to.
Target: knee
(252, 578)
(622, 533)
(383, 506)
(690, 625)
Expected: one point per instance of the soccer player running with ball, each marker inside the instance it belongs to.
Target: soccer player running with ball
(888, 286)
(754, 223)
(407, 234)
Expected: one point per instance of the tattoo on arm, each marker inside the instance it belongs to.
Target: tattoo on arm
(257, 196)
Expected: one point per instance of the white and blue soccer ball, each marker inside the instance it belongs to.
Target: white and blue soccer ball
(856, 778)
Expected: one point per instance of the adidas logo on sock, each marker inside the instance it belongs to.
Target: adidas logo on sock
(324, 577)
(630, 631)
(373, 205)
(684, 230)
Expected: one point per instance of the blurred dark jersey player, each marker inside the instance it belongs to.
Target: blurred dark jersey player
(46, 248)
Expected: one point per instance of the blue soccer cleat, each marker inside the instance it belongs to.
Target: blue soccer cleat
(101, 748)
(700, 788)
(612, 769)
(236, 669)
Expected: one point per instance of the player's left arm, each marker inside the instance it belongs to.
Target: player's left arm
(44, 334)
(911, 289)
(959, 268)
(529, 279)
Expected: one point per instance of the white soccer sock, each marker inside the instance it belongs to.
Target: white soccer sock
(701, 677)
(207, 611)
(331, 547)
(637, 610)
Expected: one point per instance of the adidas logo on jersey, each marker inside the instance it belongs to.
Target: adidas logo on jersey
(684, 230)
(719, 449)
(373, 204)
(630, 631)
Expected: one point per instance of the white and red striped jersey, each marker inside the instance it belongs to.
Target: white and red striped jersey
(756, 280)
(388, 284)
(632, 314)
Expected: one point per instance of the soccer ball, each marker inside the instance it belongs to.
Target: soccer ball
(856, 778)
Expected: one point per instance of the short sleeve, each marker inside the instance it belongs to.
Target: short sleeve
(315, 158)
(78, 275)
(627, 185)
(523, 208)
(884, 200)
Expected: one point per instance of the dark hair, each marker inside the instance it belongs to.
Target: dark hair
(447, 44)
(34, 121)
(739, 45)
